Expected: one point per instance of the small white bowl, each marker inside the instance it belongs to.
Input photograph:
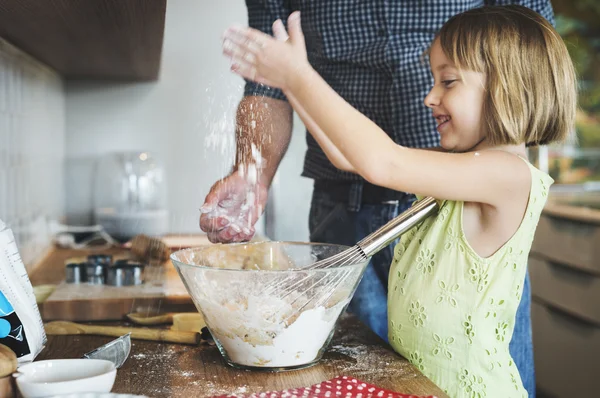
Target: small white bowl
(65, 376)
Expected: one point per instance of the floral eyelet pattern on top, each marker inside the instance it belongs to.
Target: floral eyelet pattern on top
(451, 312)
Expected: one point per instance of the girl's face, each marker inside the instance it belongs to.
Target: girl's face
(457, 101)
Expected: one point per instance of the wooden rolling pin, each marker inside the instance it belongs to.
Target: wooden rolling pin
(162, 335)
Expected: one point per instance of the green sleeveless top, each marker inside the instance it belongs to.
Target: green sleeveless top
(452, 312)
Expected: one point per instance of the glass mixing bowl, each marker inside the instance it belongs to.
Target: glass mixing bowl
(263, 310)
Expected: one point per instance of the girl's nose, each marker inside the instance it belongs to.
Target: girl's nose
(432, 99)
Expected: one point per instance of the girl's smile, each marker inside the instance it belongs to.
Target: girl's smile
(442, 122)
(456, 99)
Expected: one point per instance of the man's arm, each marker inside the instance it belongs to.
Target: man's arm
(235, 202)
(263, 133)
(263, 128)
(264, 117)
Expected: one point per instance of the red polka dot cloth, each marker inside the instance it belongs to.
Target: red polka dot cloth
(339, 387)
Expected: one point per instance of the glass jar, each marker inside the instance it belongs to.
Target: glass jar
(130, 195)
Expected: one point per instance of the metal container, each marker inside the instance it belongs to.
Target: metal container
(76, 273)
(105, 259)
(125, 274)
(96, 273)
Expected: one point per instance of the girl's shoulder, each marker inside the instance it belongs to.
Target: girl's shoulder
(539, 179)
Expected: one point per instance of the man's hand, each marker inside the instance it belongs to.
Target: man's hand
(233, 206)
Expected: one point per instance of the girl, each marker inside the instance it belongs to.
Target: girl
(503, 80)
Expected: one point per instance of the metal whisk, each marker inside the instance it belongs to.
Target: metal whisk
(364, 249)
(379, 239)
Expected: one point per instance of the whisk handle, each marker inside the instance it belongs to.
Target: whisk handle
(394, 228)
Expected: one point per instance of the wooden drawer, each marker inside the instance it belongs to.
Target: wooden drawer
(567, 288)
(568, 241)
(567, 353)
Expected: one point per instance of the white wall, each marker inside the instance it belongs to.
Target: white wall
(291, 194)
(32, 141)
(186, 118)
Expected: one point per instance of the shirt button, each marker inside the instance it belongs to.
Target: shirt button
(381, 32)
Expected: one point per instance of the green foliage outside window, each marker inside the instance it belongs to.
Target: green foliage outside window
(578, 22)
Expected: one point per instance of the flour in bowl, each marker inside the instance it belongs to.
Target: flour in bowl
(268, 331)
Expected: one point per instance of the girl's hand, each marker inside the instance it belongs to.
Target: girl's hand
(272, 61)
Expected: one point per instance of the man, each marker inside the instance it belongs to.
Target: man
(370, 52)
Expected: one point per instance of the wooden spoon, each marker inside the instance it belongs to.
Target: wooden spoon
(188, 322)
(182, 321)
(42, 292)
(141, 318)
(163, 335)
(8, 361)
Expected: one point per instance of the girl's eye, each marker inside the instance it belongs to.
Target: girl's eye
(448, 83)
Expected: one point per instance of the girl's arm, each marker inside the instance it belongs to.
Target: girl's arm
(489, 177)
(333, 153)
(485, 177)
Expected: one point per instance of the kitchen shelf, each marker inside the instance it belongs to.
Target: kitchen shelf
(89, 39)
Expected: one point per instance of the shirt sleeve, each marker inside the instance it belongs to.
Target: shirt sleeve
(261, 15)
(542, 7)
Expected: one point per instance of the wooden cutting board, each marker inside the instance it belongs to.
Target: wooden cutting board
(162, 291)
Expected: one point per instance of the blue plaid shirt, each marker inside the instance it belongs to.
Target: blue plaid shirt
(370, 52)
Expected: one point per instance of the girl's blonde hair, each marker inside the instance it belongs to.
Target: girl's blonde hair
(531, 89)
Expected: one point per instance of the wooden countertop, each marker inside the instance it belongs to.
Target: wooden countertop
(575, 206)
(582, 213)
(168, 370)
